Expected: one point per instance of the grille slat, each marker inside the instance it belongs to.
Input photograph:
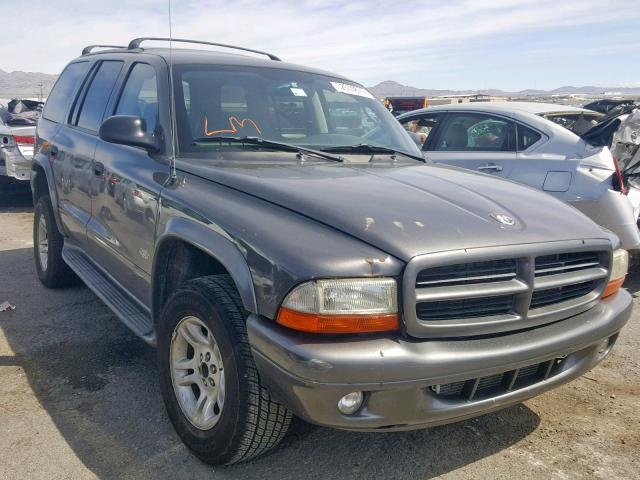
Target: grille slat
(465, 308)
(468, 273)
(565, 262)
(542, 298)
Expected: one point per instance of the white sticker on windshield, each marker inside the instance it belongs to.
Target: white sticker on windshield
(351, 89)
(298, 92)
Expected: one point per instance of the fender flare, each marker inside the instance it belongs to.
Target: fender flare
(45, 165)
(215, 244)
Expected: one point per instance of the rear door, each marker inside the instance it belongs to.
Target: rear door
(76, 143)
(477, 141)
(59, 146)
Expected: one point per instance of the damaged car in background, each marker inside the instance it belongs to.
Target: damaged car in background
(558, 149)
(17, 135)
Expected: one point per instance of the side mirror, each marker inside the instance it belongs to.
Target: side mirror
(128, 130)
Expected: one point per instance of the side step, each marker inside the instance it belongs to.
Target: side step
(132, 314)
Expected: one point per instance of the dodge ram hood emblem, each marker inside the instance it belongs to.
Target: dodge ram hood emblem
(504, 219)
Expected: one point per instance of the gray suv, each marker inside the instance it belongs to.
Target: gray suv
(275, 232)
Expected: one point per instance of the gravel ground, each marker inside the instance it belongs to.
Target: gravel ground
(79, 398)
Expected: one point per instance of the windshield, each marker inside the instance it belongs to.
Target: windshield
(287, 106)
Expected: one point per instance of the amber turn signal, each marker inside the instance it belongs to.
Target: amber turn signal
(612, 287)
(317, 323)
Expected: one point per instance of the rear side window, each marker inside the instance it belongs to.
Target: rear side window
(140, 95)
(62, 94)
(526, 137)
(97, 96)
(476, 132)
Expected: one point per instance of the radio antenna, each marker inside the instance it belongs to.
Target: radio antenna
(174, 131)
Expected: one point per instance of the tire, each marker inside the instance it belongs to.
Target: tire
(249, 422)
(52, 270)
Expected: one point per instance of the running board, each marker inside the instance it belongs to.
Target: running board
(132, 314)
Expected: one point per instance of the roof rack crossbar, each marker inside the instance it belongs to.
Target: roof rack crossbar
(87, 50)
(135, 43)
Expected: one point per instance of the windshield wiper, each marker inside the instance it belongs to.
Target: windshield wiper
(263, 142)
(371, 149)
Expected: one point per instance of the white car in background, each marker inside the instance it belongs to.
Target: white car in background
(558, 149)
(17, 137)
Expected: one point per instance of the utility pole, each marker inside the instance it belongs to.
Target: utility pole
(41, 95)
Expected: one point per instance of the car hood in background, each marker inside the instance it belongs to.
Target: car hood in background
(405, 209)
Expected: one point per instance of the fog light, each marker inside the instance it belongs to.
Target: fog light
(350, 403)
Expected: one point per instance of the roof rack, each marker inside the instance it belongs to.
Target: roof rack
(87, 50)
(135, 43)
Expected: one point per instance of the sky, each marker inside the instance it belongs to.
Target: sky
(455, 44)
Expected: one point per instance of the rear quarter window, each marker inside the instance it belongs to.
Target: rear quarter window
(526, 137)
(64, 91)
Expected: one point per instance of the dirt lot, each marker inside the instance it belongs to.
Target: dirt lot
(79, 398)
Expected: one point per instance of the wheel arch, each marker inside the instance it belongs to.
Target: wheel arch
(187, 250)
(42, 183)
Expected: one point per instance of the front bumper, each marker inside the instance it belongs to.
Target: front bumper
(309, 374)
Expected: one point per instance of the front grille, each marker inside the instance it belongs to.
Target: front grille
(543, 298)
(465, 308)
(473, 296)
(494, 385)
(468, 273)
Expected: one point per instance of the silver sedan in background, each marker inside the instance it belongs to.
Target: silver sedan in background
(546, 146)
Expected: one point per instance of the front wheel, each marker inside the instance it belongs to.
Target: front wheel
(209, 381)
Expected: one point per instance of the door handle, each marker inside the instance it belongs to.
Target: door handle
(98, 169)
(490, 167)
(53, 152)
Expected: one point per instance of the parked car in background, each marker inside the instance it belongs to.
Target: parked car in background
(545, 146)
(17, 136)
(607, 106)
(399, 105)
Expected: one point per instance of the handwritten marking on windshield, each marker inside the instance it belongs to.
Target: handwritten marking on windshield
(234, 123)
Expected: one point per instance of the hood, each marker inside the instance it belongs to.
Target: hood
(405, 209)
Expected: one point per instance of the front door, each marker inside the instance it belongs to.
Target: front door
(125, 195)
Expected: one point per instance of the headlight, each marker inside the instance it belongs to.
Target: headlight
(351, 305)
(619, 268)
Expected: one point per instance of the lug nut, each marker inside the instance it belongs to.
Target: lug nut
(211, 382)
(213, 369)
(207, 356)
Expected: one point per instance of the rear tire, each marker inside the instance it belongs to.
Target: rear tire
(243, 421)
(52, 270)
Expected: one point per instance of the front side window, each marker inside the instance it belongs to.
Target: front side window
(95, 101)
(420, 128)
(300, 108)
(476, 132)
(140, 95)
(64, 90)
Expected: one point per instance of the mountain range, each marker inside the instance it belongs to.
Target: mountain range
(29, 84)
(25, 84)
(390, 88)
